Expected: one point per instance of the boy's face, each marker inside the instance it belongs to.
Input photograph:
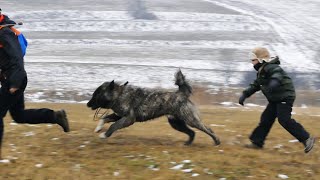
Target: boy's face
(254, 61)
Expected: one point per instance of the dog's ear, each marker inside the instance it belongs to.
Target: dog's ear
(111, 85)
(125, 83)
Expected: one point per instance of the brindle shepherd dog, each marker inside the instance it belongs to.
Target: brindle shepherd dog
(133, 104)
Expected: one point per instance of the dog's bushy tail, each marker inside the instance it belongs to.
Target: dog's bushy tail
(183, 84)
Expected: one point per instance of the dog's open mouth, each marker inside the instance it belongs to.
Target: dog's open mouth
(100, 113)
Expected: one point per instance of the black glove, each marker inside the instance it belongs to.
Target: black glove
(273, 84)
(242, 98)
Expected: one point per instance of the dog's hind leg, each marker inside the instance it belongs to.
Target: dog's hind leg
(106, 119)
(121, 123)
(181, 126)
(190, 115)
(196, 123)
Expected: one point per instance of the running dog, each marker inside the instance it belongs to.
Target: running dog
(133, 104)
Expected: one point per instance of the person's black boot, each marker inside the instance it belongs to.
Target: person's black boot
(62, 120)
(308, 144)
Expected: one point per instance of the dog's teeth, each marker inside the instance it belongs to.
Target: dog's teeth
(102, 136)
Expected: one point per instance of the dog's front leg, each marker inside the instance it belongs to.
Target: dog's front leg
(122, 123)
(106, 119)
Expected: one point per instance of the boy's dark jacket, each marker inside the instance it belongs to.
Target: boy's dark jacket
(11, 59)
(272, 70)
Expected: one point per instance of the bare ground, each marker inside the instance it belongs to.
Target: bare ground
(150, 150)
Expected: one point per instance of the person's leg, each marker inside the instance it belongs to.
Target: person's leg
(267, 119)
(1, 135)
(293, 127)
(37, 116)
(30, 116)
(5, 101)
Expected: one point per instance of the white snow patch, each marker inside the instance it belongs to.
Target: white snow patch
(282, 176)
(187, 170)
(217, 125)
(304, 106)
(294, 140)
(5, 161)
(177, 167)
(195, 174)
(252, 105)
(186, 161)
(39, 165)
(278, 146)
(31, 133)
(153, 167)
(227, 103)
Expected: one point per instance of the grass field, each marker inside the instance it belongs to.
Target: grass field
(153, 150)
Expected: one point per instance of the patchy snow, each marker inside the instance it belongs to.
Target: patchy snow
(278, 146)
(39, 165)
(116, 173)
(294, 141)
(304, 106)
(186, 161)
(227, 103)
(177, 167)
(30, 133)
(187, 170)
(5, 161)
(217, 125)
(195, 174)
(282, 176)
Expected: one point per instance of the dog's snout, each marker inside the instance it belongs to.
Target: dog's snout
(89, 104)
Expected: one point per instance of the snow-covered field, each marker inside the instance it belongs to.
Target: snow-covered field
(75, 45)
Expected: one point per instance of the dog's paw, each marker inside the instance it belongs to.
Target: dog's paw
(103, 135)
(97, 129)
(217, 142)
(99, 126)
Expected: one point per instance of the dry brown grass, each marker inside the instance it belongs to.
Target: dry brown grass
(130, 152)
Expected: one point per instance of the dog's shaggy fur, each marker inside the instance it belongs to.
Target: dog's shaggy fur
(133, 104)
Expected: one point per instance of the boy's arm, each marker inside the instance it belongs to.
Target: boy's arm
(253, 87)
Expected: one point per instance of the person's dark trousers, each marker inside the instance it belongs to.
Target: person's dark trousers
(14, 103)
(282, 110)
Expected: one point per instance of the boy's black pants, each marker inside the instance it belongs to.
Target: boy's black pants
(282, 110)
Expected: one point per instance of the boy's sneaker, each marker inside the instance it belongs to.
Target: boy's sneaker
(252, 146)
(62, 120)
(308, 144)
